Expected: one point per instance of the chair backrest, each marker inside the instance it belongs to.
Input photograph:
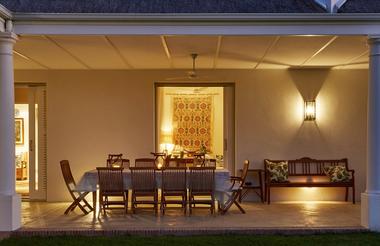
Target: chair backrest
(110, 179)
(143, 179)
(199, 159)
(244, 172)
(173, 179)
(118, 162)
(145, 162)
(115, 156)
(202, 179)
(67, 175)
(308, 167)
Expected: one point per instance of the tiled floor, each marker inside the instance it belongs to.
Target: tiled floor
(40, 216)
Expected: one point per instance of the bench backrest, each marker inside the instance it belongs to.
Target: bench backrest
(309, 167)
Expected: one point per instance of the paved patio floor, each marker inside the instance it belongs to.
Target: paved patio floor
(37, 216)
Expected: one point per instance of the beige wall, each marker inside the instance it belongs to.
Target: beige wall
(93, 113)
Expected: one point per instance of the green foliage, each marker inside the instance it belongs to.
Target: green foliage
(356, 239)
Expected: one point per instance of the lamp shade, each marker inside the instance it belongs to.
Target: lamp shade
(310, 110)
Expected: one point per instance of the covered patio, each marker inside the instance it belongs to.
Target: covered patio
(288, 218)
(96, 90)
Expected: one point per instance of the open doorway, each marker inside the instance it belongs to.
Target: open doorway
(30, 141)
(196, 117)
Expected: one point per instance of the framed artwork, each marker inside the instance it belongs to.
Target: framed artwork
(19, 131)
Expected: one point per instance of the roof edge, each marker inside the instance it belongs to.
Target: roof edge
(225, 17)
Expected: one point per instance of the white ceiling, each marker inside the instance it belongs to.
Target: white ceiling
(173, 52)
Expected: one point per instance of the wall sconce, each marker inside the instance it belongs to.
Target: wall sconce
(310, 110)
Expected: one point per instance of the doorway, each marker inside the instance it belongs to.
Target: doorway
(30, 139)
(194, 116)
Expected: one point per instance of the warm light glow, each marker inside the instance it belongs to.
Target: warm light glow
(310, 110)
(167, 147)
(167, 130)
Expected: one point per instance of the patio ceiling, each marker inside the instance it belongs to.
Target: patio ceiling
(173, 52)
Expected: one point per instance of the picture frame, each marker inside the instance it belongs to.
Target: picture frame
(19, 131)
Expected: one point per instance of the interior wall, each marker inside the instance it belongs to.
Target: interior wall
(93, 113)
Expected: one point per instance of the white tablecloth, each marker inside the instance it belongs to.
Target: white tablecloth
(89, 181)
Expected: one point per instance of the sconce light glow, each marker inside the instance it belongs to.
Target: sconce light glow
(310, 110)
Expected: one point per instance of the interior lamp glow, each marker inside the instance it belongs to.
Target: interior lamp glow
(310, 110)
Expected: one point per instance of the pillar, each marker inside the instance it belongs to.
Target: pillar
(370, 209)
(10, 202)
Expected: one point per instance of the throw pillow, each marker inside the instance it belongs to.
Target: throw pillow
(278, 171)
(337, 173)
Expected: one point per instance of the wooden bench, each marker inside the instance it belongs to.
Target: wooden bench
(309, 168)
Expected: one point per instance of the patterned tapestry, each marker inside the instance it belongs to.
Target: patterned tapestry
(192, 121)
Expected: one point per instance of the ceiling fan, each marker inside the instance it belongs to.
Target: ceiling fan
(192, 74)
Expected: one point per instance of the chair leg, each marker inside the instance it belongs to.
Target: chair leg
(70, 208)
(162, 208)
(125, 197)
(346, 196)
(353, 194)
(232, 200)
(268, 195)
(133, 202)
(239, 207)
(262, 196)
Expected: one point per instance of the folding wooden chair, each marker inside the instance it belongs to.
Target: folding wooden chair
(173, 186)
(235, 190)
(78, 196)
(117, 161)
(202, 187)
(111, 185)
(144, 189)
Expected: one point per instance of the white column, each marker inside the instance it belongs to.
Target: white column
(370, 215)
(10, 202)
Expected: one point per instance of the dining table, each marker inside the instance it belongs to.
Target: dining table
(89, 183)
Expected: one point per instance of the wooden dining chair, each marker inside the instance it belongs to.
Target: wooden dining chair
(235, 191)
(145, 162)
(111, 185)
(77, 196)
(199, 159)
(173, 186)
(202, 187)
(117, 161)
(144, 188)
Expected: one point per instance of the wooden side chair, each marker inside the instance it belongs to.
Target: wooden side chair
(199, 159)
(117, 162)
(111, 184)
(114, 156)
(173, 186)
(202, 187)
(234, 192)
(78, 196)
(144, 188)
(145, 162)
(257, 188)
